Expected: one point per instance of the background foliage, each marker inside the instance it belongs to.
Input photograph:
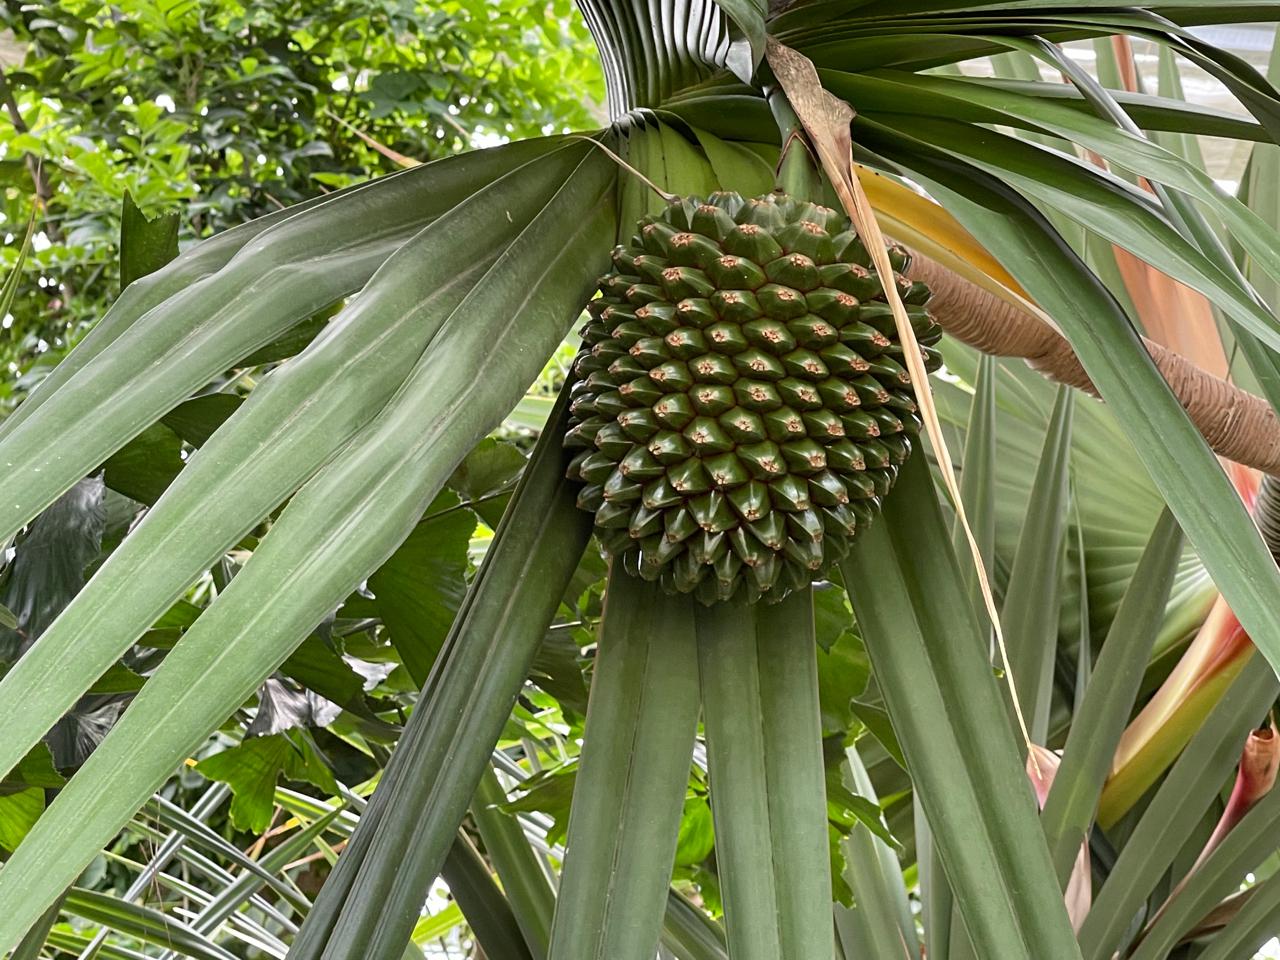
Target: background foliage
(222, 112)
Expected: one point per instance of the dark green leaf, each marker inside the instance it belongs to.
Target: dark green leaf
(146, 244)
(419, 589)
(252, 768)
(145, 466)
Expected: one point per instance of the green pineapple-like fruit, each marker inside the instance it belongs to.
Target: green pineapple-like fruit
(741, 403)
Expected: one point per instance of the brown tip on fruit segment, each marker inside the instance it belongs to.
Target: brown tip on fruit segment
(719, 328)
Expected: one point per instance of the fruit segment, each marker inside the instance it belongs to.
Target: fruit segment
(741, 408)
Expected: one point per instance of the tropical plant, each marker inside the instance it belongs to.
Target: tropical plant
(809, 769)
(230, 113)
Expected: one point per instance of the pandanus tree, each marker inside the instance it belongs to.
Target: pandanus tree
(749, 416)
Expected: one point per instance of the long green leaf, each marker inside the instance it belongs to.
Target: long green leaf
(32, 945)
(1249, 843)
(70, 943)
(145, 923)
(748, 34)
(690, 933)
(246, 884)
(786, 650)
(1031, 603)
(1191, 785)
(930, 660)
(173, 817)
(1253, 926)
(1174, 453)
(486, 909)
(978, 477)
(1105, 204)
(630, 790)
(880, 923)
(978, 486)
(291, 425)
(142, 295)
(740, 805)
(334, 532)
(280, 277)
(936, 900)
(764, 730)
(1108, 701)
(391, 861)
(1167, 116)
(9, 289)
(523, 879)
